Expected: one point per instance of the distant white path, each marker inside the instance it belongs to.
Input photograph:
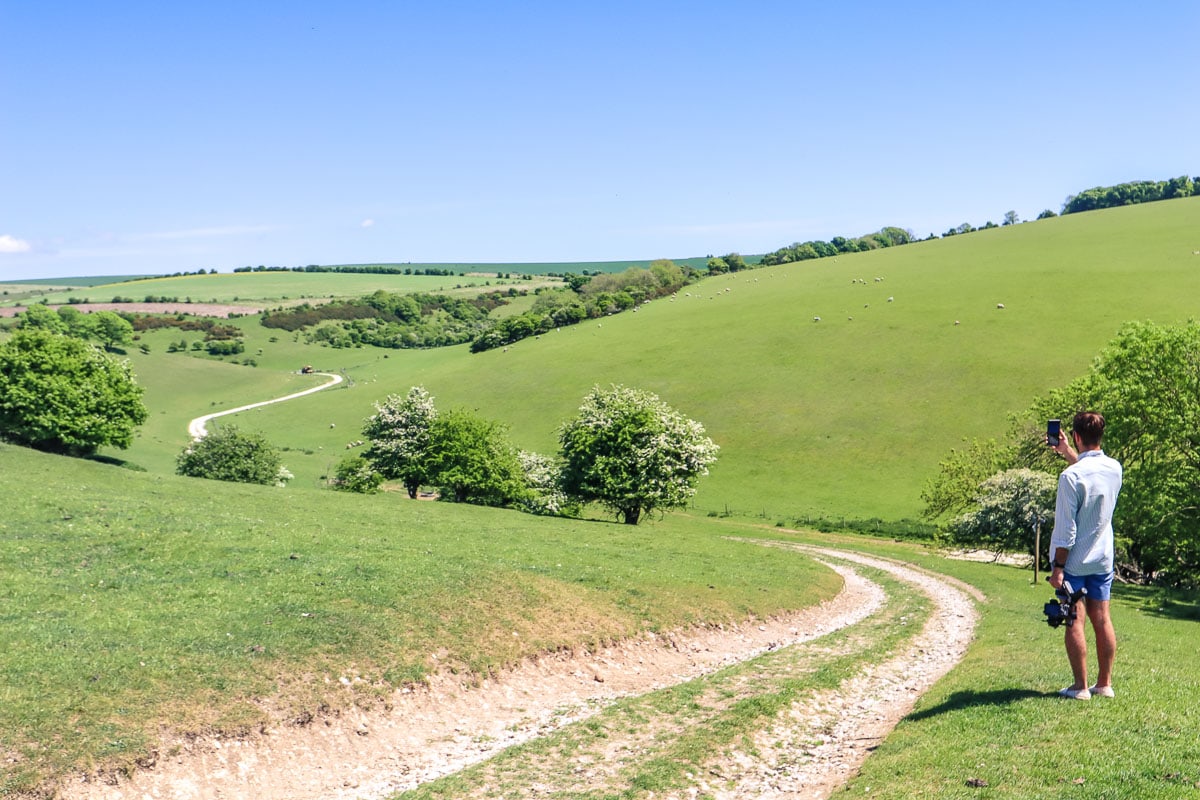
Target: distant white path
(197, 429)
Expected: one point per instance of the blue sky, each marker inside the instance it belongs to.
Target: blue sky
(160, 137)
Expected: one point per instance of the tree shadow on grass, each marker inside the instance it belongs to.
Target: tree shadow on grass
(972, 699)
(1160, 601)
(113, 461)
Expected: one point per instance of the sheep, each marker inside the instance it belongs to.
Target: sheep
(816, 319)
(999, 305)
(890, 299)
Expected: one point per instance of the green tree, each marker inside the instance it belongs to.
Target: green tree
(64, 395)
(227, 454)
(953, 489)
(112, 329)
(42, 317)
(631, 452)
(1010, 218)
(734, 262)
(1146, 382)
(472, 461)
(79, 325)
(717, 266)
(1008, 507)
(399, 433)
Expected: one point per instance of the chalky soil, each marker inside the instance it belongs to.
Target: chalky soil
(437, 730)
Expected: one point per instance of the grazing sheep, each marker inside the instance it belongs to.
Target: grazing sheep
(999, 305)
(890, 299)
(955, 322)
(333, 424)
(816, 319)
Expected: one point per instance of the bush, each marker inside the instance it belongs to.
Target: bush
(230, 455)
(472, 461)
(543, 479)
(355, 474)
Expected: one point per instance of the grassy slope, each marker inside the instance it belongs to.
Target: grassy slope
(131, 599)
(838, 417)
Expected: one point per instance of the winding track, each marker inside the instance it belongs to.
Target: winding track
(442, 728)
(197, 429)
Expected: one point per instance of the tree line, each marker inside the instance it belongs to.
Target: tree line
(389, 319)
(586, 297)
(890, 236)
(1124, 194)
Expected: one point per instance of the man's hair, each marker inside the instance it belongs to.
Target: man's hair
(1090, 427)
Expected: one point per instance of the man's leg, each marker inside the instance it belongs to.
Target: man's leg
(1077, 648)
(1106, 639)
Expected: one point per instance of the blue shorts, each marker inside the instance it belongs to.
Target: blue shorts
(1099, 587)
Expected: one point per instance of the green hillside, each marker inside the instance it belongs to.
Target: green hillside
(847, 416)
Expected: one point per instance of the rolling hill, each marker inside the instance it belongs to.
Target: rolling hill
(847, 416)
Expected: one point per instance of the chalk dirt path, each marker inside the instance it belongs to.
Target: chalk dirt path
(197, 429)
(443, 727)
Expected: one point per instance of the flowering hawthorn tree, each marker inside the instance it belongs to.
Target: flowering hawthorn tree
(1008, 506)
(631, 452)
(400, 438)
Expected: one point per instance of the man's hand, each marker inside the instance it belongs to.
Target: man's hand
(1055, 578)
(1064, 448)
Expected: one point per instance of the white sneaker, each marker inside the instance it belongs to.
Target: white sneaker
(1103, 691)
(1075, 694)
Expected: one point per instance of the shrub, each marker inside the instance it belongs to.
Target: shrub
(355, 474)
(230, 455)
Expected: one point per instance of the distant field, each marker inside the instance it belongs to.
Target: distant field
(276, 288)
(558, 267)
(94, 280)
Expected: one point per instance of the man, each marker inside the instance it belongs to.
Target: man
(1081, 547)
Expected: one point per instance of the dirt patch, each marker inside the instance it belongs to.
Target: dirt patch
(445, 726)
(823, 740)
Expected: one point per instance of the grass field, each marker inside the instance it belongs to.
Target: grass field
(840, 418)
(134, 598)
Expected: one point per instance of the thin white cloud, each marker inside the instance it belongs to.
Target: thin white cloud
(201, 233)
(735, 228)
(11, 244)
(367, 223)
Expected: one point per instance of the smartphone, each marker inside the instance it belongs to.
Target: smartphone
(1053, 431)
